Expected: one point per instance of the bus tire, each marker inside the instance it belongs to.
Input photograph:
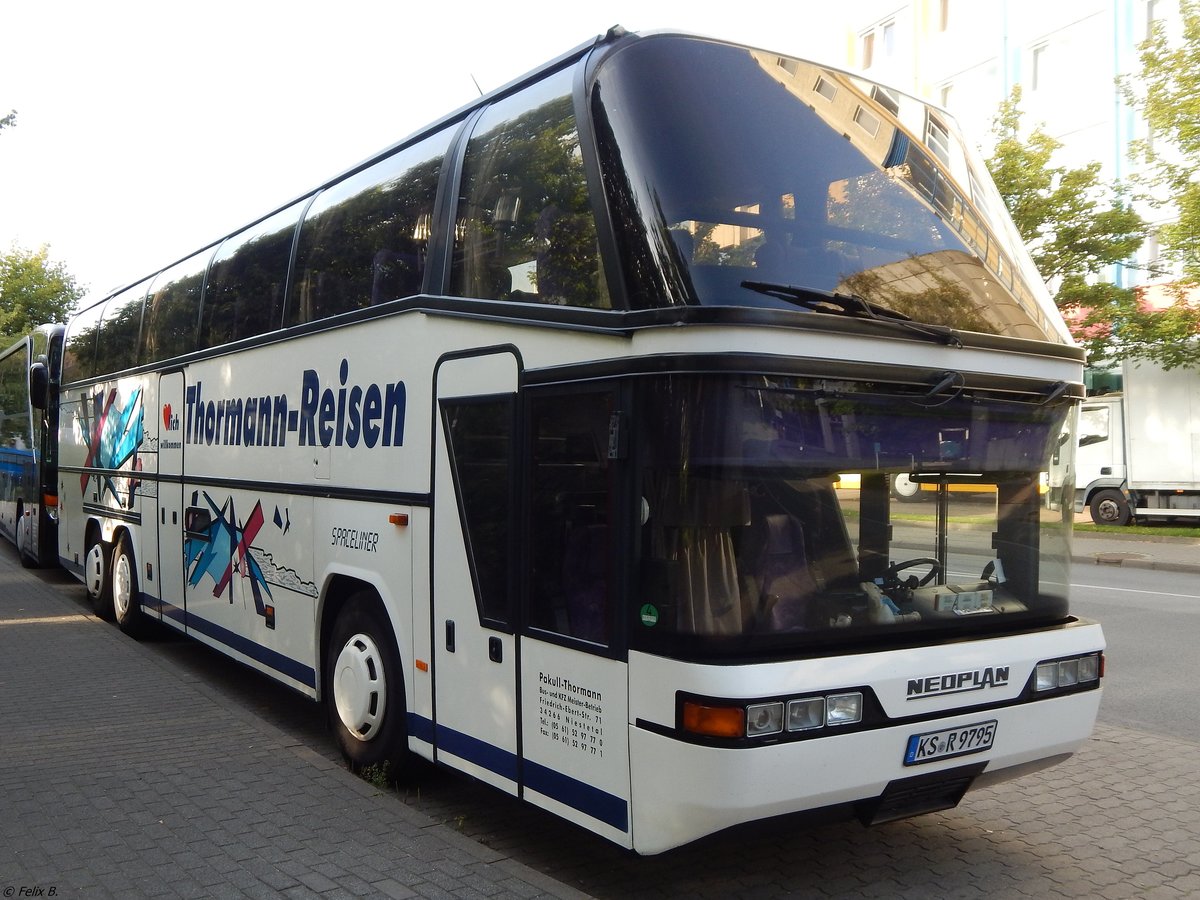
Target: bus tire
(364, 688)
(97, 578)
(22, 540)
(1109, 507)
(905, 489)
(126, 601)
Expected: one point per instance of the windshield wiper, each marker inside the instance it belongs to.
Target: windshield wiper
(851, 305)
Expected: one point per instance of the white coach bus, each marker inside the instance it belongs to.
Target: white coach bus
(515, 446)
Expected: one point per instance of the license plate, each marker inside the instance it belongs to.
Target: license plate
(948, 742)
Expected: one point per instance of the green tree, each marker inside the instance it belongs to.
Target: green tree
(33, 290)
(1074, 225)
(9, 120)
(1167, 94)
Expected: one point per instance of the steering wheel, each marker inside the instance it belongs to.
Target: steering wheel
(894, 570)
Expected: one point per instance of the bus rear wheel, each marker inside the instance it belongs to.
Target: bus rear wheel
(126, 601)
(364, 688)
(96, 577)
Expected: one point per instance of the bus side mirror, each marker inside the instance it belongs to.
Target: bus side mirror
(39, 386)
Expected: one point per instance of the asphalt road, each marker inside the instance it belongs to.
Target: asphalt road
(1151, 621)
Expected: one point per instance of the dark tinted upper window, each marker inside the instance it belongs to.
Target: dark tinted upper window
(173, 309)
(570, 524)
(729, 172)
(79, 353)
(246, 281)
(480, 433)
(364, 240)
(525, 229)
(117, 347)
(15, 429)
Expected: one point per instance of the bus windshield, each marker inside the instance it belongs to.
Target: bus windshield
(765, 517)
(744, 178)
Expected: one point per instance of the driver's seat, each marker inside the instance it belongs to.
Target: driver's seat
(785, 582)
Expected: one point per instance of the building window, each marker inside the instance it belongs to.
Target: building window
(826, 89)
(881, 37)
(1154, 262)
(889, 39)
(937, 136)
(887, 98)
(866, 121)
(1039, 72)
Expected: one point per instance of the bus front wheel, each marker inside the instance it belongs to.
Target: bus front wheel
(364, 688)
(96, 577)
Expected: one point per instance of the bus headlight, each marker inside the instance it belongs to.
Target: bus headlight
(769, 719)
(805, 714)
(764, 718)
(1089, 668)
(844, 709)
(1069, 672)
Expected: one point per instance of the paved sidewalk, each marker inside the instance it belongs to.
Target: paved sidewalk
(1171, 554)
(122, 777)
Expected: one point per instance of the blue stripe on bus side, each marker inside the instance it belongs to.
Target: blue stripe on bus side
(292, 668)
(590, 800)
(489, 756)
(420, 727)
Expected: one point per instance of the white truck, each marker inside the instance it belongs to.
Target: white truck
(1139, 448)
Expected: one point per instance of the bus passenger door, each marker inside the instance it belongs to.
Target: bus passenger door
(574, 673)
(472, 608)
(167, 584)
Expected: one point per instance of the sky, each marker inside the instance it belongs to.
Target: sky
(146, 130)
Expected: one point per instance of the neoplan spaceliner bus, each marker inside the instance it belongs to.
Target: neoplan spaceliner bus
(515, 446)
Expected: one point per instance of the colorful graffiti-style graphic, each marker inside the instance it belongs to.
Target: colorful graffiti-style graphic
(224, 551)
(112, 436)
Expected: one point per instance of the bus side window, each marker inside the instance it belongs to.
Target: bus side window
(570, 533)
(479, 432)
(79, 354)
(117, 345)
(524, 228)
(244, 292)
(14, 404)
(173, 310)
(364, 240)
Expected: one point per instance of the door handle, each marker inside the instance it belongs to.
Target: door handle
(450, 635)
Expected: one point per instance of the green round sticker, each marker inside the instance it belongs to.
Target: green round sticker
(649, 615)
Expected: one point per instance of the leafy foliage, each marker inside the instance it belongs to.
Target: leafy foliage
(9, 120)
(1167, 94)
(33, 290)
(1074, 224)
